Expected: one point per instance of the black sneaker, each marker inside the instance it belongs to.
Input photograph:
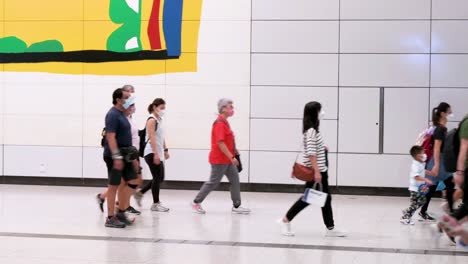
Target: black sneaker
(114, 222)
(132, 210)
(123, 218)
(425, 217)
(100, 202)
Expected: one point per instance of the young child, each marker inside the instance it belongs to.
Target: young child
(417, 192)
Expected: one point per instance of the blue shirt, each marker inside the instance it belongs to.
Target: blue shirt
(117, 122)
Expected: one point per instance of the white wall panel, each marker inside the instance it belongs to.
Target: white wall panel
(41, 130)
(93, 163)
(43, 161)
(289, 101)
(452, 9)
(217, 69)
(457, 98)
(295, 9)
(295, 69)
(408, 70)
(383, 9)
(221, 37)
(226, 10)
(286, 135)
(449, 70)
(295, 36)
(385, 36)
(406, 112)
(373, 170)
(359, 120)
(449, 36)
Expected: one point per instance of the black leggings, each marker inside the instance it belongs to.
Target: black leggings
(327, 212)
(450, 188)
(157, 171)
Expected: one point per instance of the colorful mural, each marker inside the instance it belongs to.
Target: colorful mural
(103, 37)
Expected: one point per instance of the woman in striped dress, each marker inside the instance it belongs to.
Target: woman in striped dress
(314, 155)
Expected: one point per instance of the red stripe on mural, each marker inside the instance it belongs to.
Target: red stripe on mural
(154, 34)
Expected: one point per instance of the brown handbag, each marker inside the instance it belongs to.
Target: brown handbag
(303, 173)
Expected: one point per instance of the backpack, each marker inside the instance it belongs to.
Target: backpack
(426, 141)
(103, 137)
(452, 148)
(143, 141)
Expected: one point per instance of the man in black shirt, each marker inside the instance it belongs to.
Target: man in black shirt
(118, 159)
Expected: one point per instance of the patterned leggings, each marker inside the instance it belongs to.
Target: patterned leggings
(416, 201)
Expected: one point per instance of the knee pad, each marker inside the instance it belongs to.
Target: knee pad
(133, 186)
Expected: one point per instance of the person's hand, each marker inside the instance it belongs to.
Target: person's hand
(317, 177)
(167, 155)
(235, 162)
(118, 164)
(435, 171)
(157, 160)
(458, 179)
(429, 182)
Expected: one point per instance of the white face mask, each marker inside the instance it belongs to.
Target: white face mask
(450, 116)
(161, 113)
(424, 157)
(321, 115)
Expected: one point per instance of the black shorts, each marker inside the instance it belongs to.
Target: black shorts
(127, 174)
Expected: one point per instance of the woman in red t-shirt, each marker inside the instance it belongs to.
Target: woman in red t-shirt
(223, 160)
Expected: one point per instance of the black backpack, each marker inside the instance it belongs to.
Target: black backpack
(452, 148)
(143, 141)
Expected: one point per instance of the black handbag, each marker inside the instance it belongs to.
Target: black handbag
(239, 168)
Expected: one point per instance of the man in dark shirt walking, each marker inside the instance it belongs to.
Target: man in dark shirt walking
(119, 157)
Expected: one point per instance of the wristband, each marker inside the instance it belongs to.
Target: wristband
(117, 156)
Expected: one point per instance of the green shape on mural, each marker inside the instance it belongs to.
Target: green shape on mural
(127, 37)
(12, 45)
(16, 45)
(46, 46)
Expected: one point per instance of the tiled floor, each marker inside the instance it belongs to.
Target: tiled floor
(41, 224)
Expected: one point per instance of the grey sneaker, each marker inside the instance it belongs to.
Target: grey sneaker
(114, 222)
(138, 198)
(240, 210)
(197, 208)
(157, 207)
(123, 218)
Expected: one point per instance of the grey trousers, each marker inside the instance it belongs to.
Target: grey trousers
(217, 173)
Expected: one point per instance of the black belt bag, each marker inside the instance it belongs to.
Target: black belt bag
(129, 154)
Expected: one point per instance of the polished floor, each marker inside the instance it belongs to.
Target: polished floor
(43, 224)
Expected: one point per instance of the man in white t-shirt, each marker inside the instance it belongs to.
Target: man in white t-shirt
(419, 185)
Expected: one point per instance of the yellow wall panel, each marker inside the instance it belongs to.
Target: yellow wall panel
(96, 34)
(39, 10)
(96, 10)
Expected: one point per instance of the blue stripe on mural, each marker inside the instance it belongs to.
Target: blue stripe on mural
(172, 26)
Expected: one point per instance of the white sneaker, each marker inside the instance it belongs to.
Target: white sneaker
(335, 233)
(285, 228)
(240, 210)
(157, 207)
(406, 221)
(197, 208)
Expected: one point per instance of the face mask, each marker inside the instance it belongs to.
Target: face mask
(161, 113)
(321, 115)
(424, 157)
(128, 102)
(450, 116)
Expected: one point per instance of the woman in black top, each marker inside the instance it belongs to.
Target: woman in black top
(440, 116)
